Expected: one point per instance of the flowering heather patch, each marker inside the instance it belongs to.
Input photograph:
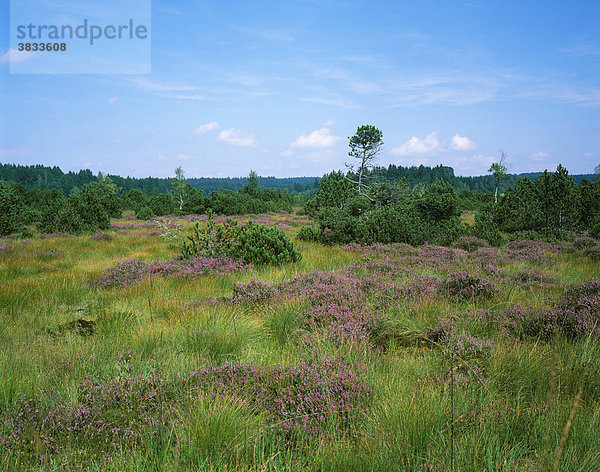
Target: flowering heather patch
(441, 253)
(253, 291)
(464, 286)
(580, 310)
(296, 399)
(122, 274)
(109, 414)
(379, 249)
(340, 321)
(167, 223)
(468, 347)
(576, 314)
(4, 246)
(531, 251)
(384, 267)
(470, 352)
(592, 252)
(132, 271)
(119, 413)
(585, 242)
(101, 236)
(386, 294)
(50, 254)
(470, 243)
(520, 321)
(527, 278)
(134, 224)
(55, 235)
(440, 332)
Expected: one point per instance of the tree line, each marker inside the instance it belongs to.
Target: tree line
(364, 205)
(91, 207)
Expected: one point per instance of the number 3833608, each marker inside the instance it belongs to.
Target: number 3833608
(42, 47)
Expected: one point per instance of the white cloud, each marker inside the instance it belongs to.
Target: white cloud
(319, 138)
(113, 100)
(588, 154)
(539, 156)
(329, 123)
(16, 56)
(237, 137)
(462, 143)
(414, 145)
(205, 128)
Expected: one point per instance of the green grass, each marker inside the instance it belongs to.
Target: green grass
(512, 420)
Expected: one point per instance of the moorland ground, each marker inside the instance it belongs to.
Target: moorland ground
(385, 357)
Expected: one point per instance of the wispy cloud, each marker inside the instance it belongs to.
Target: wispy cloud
(237, 137)
(14, 55)
(113, 100)
(335, 102)
(583, 47)
(540, 156)
(178, 157)
(151, 85)
(7, 152)
(205, 128)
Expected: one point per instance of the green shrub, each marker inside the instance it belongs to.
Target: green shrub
(254, 244)
(486, 228)
(211, 240)
(309, 233)
(439, 202)
(69, 220)
(339, 227)
(11, 211)
(260, 245)
(144, 213)
(595, 228)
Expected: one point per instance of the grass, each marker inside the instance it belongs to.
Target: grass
(510, 406)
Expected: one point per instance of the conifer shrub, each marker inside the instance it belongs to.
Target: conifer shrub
(11, 211)
(144, 213)
(254, 244)
(260, 245)
(309, 233)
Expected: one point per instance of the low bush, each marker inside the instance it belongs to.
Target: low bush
(144, 213)
(309, 233)
(254, 244)
(260, 245)
(465, 286)
(11, 211)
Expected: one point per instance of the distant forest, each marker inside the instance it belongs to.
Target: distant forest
(43, 177)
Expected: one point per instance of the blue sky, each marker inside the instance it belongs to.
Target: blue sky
(278, 87)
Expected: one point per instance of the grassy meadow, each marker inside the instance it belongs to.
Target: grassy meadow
(381, 358)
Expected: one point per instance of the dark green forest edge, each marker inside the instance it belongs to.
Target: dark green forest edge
(364, 204)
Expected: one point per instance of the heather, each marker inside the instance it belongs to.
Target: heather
(116, 415)
(134, 270)
(115, 354)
